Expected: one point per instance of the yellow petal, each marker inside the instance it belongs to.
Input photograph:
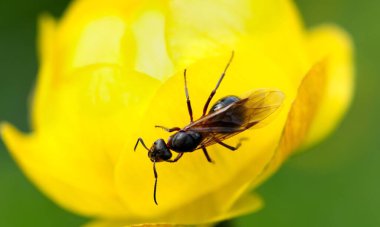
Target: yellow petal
(46, 80)
(79, 144)
(149, 30)
(332, 43)
(300, 117)
(198, 29)
(101, 35)
(181, 185)
(128, 33)
(171, 35)
(246, 203)
(57, 177)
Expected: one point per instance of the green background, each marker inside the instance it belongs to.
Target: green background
(337, 183)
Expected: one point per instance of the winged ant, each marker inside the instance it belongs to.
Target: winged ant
(228, 117)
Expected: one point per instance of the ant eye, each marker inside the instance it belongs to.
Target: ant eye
(155, 143)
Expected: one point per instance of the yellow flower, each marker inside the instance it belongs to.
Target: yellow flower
(111, 70)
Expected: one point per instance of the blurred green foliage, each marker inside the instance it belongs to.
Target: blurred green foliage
(334, 184)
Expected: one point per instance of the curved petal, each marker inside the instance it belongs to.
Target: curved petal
(56, 175)
(53, 73)
(80, 121)
(199, 29)
(80, 143)
(331, 42)
(300, 117)
(168, 36)
(100, 36)
(246, 203)
(47, 56)
(128, 33)
(181, 185)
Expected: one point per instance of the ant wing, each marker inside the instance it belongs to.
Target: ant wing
(258, 107)
(249, 112)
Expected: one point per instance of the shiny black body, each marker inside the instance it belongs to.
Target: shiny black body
(223, 102)
(164, 154)
(229, 116)
(184, 141)
(187, 140)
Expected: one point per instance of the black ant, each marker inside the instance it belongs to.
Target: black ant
(227, 117)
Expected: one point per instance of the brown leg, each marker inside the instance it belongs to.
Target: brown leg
(206, 154)
(228, 146)
(168, 129)
(176, 158)
(188, 98)
(217, 85)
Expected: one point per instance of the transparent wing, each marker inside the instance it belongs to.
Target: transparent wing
(237, 117)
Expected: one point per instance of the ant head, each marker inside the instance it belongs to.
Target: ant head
(159, 151)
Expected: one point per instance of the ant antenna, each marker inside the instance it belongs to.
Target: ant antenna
(217, 84)
(140, 140)
(155, 182)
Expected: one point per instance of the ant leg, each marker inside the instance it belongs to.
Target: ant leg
(206, 154)
(188, 98)
(228, 146)
(217, 85)
(168, 129)
(140, 140)
(176, 158)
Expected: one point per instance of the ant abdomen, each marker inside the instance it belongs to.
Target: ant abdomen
(184, 141)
